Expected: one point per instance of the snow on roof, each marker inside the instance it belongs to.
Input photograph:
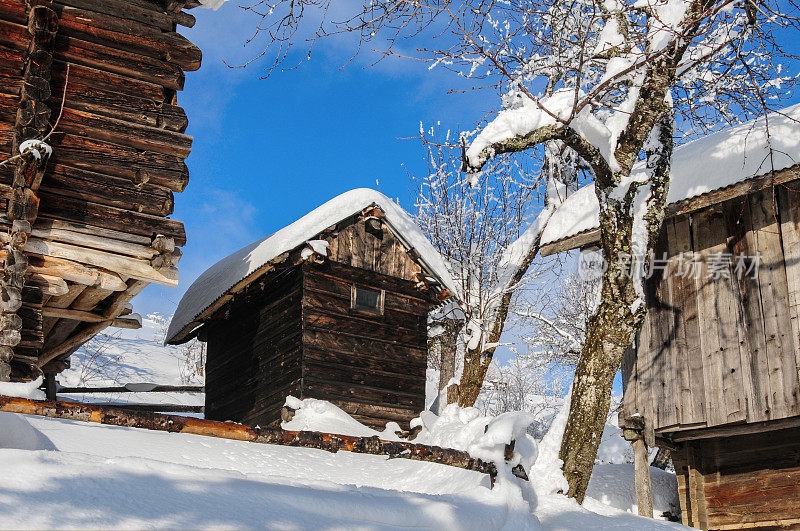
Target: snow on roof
(716, 161)
(226, 273)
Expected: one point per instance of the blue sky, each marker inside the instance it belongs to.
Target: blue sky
(266, 151)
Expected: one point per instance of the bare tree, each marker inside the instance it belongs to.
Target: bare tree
(478, 226)
(613, 81)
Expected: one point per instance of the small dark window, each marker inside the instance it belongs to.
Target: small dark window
(367, 300)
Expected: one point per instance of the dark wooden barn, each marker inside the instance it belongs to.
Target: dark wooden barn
(333, 307)
(92, 144)
(715, 373)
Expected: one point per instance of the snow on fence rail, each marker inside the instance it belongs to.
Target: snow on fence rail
(119, 416)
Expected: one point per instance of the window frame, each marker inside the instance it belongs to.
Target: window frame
(379, 311)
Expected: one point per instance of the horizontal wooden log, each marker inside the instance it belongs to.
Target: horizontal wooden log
(116, 32)
(107, 190)
(74, 315)
(75, 272)
(50, 285)
(140, 167)
(155, 408)
(101, 86)
(240, 432)
(115, 96)
(134, 388)
(102, 57)
(95, 242)
(124, 133)
(75, 210)
(130, 322)
(126, 10)
(129, 267)
(46, 223)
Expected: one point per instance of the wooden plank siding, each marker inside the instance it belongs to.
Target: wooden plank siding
(370, 366)
(722, 347)
(744, 481)
(294, 332)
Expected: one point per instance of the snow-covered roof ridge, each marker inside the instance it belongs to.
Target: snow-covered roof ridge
(225, 274)
(719, 160)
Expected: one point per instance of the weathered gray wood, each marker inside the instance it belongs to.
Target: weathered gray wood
(693, 204)
(644, 491)
(688, 359)
(775, 303)
(712, 303)
(789, 202)
(755, 371)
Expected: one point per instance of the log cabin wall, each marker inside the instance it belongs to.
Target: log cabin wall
(740, 481)
(100, 230)
(254, 352)
(718, 349)
(294, 331)
(373, 367)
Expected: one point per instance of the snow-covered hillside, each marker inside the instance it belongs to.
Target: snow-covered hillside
(66, 474)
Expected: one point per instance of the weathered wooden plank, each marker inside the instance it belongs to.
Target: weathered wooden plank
(720, 334)
(783, 376)
(689, 358)
(152, 16)
(755, 372)
(103, 88)
(121, 132)
(107, 190)
(789, 203)
(692, 204)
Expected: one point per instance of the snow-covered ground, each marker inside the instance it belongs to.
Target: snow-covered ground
(65, 474)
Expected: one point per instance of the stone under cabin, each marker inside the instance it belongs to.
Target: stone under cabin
(714, 373)
(333, 306)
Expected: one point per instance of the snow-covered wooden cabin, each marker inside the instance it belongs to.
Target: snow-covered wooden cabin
(714, 374)
(333, 306)
(85, 231)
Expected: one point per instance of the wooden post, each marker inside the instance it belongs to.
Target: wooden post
(644, 492)
(50, 385)
(634, 430)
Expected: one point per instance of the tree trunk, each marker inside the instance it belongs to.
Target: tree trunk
(447, 352)
(475, 367)
(606, 341)
(609, 332)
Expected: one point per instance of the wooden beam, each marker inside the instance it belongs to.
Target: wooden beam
(123, 265)
(76, 272)
(131, 322)
(114, 309)
(75, 315)
(644, 491)
(692, 204)
(733, 429)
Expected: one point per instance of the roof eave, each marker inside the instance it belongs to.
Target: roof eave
(686, 206)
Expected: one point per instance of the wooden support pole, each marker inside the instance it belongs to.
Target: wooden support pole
(50, 385)
(229, 430)
(644, 491)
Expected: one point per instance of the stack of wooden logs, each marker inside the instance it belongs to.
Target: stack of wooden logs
(87, 230)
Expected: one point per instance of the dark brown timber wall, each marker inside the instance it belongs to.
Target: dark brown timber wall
(741, 481)
(295, 333)
(719, 349)
(254, 353)
(373, 367)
